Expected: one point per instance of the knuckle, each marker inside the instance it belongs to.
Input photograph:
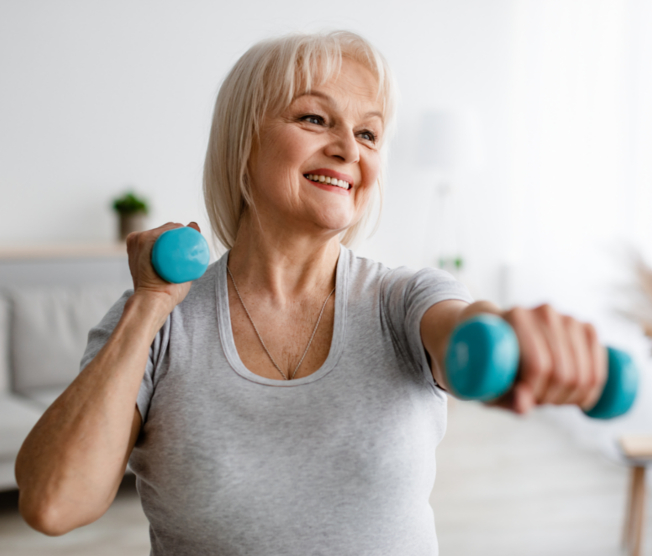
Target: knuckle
(546, 313)
(516, 316)
(591, 333)
(559, 377)
(517, 312)
(570, 381)
(569, 322)
(131, 238)
(590, 382)
(540, 367)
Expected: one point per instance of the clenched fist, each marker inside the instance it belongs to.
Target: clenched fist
(146, 281)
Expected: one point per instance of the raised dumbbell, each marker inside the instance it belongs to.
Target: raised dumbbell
(482, 362)
(180, 255)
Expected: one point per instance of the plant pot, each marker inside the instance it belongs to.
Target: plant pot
(134, 222)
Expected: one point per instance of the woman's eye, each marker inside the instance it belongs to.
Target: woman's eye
(368, 136)
(313, 119)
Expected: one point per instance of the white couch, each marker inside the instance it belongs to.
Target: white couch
(47, 306)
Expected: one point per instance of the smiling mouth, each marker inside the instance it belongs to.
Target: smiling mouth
(327, 180)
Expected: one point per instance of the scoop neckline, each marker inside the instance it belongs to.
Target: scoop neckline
(339, 326)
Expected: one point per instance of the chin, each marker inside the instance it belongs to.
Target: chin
(337, 221)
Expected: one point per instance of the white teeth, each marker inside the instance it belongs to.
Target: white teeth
(326, 179)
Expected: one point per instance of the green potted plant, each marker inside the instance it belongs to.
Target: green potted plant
(131, 211)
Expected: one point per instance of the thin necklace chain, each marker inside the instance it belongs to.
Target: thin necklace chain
(261, 339)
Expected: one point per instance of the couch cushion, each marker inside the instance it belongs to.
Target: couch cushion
(17, 418)
(50, 329)
(44, 397)
(5, 381)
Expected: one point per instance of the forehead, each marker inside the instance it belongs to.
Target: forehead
(353, 86)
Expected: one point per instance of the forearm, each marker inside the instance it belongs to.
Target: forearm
(72, 461)
(437, 327)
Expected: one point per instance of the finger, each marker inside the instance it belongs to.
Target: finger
(195, 226)
(599, 366)
(519, 399)
(149, 236)
(506, 401)
(139, 249)
(561, 378)
(167, 226)
(152, 235)
(535, 365)
(523, 398)
(580, 376)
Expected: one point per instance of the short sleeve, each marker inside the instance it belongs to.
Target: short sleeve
(100, 334)
(406, 295)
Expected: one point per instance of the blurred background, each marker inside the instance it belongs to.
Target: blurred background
(521, 162)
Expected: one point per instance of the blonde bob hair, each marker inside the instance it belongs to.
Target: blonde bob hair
(265, 80)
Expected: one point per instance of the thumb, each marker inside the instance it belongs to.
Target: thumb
(519, 399)
(194, 225)
(523, 398)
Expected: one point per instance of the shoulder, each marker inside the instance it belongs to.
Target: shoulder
(366, 271)
(362, 269)
(204, 285)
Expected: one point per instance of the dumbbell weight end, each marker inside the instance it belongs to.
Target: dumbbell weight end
(482, 358)
(620, 390)
(180, 255)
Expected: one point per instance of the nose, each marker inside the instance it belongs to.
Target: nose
(343, 145)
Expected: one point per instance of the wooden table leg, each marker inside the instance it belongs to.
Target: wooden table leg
(638, 510)
(629, 513)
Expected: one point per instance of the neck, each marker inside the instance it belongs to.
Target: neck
(282, 264)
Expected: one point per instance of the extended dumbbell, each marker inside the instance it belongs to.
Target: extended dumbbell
(482, 361)
(180, 255)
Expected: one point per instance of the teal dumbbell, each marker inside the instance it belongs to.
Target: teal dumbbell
(482, 361)
(180, 255)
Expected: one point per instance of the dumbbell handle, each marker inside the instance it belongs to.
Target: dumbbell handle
(482, 361)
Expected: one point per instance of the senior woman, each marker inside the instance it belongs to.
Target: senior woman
(290, 401)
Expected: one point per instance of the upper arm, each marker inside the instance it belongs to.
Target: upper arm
(136, 423)
(437, 326)
(421, 309)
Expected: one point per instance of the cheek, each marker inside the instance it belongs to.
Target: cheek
(274, 164)
(371, 172)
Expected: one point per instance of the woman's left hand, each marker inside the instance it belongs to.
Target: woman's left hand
(561, 360)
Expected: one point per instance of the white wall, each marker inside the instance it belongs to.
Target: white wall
(97, 96)
(581, 184)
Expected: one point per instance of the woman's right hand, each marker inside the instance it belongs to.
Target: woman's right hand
(146, 281)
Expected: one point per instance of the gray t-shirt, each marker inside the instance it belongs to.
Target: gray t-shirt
(338, 463)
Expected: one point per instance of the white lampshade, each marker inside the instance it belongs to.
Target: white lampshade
(450, 141)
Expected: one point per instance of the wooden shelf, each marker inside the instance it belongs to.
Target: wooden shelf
(65, 251)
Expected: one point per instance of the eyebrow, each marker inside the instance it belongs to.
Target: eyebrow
(331, 100)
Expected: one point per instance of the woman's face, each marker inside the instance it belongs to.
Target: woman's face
(333, 134)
